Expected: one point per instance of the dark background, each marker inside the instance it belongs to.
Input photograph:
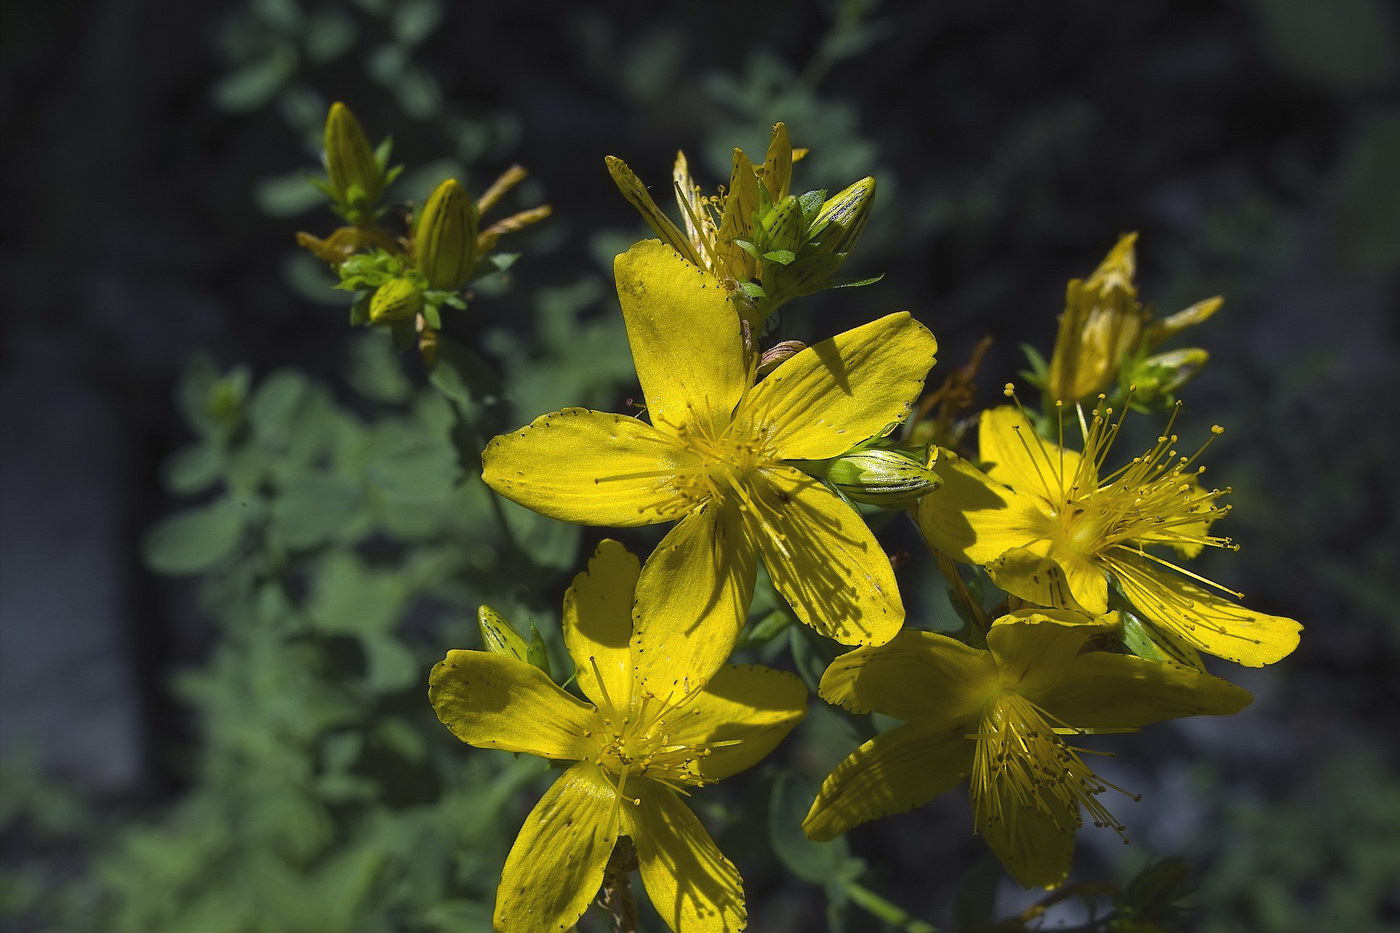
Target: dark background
(1254, 145)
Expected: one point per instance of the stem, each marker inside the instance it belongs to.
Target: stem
(896, 917)
(617, 898)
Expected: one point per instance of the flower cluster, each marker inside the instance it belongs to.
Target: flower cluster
(1082, 617)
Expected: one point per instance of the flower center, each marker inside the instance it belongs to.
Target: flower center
(1023, 768)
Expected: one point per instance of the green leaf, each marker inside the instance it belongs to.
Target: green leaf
(416, 470)
(391, 665)
(286, 195)
(349, 598)
(194, 468)
(414, 20)
(314, 509)
(781, 256)
(254, 85)
(195, 539)
(461, 374)
(814, 862)
(375, 370)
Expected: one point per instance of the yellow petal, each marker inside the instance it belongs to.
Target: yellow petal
(692, 597)
(684, 335)
(893, 772)
(636, 194)
(916, 676)
(1014, 455)
(1202, 619)
(556, 865)
(752, 707)
(1034, 650)
(1119, 691)
(1037, 844)
(777, 165)
(1051, 575)
(495, 701)
(972, 519)
(589, 467)
(690, 882)
(598, 624)
(736, 221)
(824, 400)
(824, 560)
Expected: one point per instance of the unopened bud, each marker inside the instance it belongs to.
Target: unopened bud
(444, 246)
(778, 354)
(885, 473)
(398, 299)
(1163, 374)
(783, 227)
(499, 637)
(355, 175)
(842, 218)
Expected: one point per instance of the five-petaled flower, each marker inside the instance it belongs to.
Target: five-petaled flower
(713, 459)
(635, 752)
(1000, 717)
(1052, 530)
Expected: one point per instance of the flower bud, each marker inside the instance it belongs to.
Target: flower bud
(842, 217)
(1101, 325)
(444, 246)
(778, 354)
(499, 637)
(355, 175)
(883, 473)
(1160, 376)
(398, 299)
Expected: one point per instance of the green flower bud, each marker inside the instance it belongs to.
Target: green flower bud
(883, 473)
(398, 299)
(499, 637)
(842, 218)
(355, 175)
(444, 246)
(1160, 376)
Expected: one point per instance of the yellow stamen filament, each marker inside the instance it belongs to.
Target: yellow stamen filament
(1022, 766)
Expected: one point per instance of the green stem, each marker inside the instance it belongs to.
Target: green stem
(896, 917)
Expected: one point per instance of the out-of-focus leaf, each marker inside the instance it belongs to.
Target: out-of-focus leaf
(315, 509)
(252, 86)
(287, 195)
(814, 862)
(329, 35)
(194, 468)
(195, 539)
(1342, 45)
(462, 374)
(349, 598)
(422, 470)
(414, 20)
(391, 665)
(376, 371)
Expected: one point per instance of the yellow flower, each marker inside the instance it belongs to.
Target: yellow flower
(713, 460)
(635, 753)
(1000, 718)
(1051, 530)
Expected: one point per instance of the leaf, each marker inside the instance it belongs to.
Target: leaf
(392, 666)
(375, 370)
(254, 85)
(349, 598)
(416, 470)
(195, 539)
(314, 509)
(414, 20)
(461, 374)
(194, 468)
(975, 903)
(286, 195)
(814, 862)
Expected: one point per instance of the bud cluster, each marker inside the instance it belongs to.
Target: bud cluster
(765, 243)
(404, 274)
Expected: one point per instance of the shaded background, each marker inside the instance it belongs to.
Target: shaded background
(152, 157)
